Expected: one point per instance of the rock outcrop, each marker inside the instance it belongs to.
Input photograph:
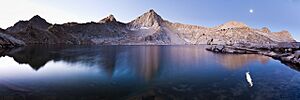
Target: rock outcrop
(108, 19)
(288, 55)
(232, 25)
(265, 30)
(148, 29)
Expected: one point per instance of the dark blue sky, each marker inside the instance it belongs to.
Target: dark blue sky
(276, 14)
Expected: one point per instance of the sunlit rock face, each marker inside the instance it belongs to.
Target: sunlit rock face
(148, 19)
(283, 36)
(148, 29)
(232, 25)
(108, 19)
(265, 30)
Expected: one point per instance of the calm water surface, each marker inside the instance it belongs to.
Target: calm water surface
(143, 73)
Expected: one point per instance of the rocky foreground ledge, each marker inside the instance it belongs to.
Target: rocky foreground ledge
(288, 53)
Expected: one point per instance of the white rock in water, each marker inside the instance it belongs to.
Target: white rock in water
(249, 79)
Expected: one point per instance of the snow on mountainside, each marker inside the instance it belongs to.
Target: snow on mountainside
(147, 29)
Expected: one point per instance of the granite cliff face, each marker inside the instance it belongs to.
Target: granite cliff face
(148, 29)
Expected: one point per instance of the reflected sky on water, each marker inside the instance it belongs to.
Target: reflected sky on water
(133, 72)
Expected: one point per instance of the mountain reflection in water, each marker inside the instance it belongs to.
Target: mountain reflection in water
(135, 72)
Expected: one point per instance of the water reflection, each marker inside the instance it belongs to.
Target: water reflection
(146, 58)
(235, 61)
(118, 72)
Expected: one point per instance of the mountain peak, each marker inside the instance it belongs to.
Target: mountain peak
(36, 22)
(37, 18)
(148, 19)
(109, 18)
(232, 24)
(152, 11)
(151, 14)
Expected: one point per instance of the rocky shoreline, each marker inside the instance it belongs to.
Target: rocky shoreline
(288, 54)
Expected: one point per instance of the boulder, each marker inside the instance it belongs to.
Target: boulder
(288, 58)
(265, 30)
(227, 50)
(272, 54)
(297, 54)
(209, 42)
(220, 47)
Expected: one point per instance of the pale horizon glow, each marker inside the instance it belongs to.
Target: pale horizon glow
(277, 15)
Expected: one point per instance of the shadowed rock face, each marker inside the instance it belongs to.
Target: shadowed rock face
(33, 31)
(2, 30)
(35, 22)
(7, 41)
(148, 29)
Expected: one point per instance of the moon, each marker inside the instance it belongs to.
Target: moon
(251, 11)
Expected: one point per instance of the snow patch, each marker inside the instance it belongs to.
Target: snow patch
(187, 40)
(141, 28)
(145, 28)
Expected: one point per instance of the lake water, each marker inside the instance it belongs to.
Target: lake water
(142, 73)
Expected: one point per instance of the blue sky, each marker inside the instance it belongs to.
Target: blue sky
(276, 14)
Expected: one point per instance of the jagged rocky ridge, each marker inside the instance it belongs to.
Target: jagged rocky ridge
(147, 29)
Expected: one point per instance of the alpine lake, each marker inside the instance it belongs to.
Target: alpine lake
(142, 73)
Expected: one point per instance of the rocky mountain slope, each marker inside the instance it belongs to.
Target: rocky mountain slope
(148, 29)
(7, 41)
